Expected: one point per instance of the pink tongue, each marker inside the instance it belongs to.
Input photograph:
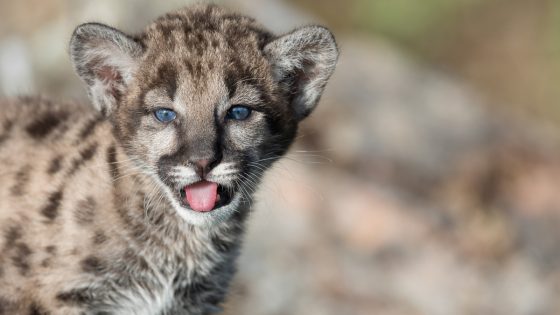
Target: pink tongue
(202, 196)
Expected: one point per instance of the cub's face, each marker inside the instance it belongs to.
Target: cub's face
(223, 123)
(204, 100)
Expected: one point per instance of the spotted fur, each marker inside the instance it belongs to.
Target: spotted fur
(92, 220)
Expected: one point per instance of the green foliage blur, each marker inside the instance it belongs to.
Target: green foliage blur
(509, 50)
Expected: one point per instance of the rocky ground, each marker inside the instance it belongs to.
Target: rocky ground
(405, 194)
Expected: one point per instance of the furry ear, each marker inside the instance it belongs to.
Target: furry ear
(304, 60)
(105, 59)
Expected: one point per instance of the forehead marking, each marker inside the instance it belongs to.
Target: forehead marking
(167, 78)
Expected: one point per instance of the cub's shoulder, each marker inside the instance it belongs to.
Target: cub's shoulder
(43, 119)
(27, 107)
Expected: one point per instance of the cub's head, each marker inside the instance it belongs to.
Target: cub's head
(204, 100)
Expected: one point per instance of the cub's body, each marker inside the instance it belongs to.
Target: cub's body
(79, 225)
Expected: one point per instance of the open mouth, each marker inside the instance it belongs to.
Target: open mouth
(205, 196)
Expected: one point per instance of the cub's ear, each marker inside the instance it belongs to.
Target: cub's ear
(304, 60)
(105, 59)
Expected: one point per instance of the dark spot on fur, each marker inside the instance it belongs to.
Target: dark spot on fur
(99, 238)
(123, 214)
(200, 38)
(166, 32)
(88, 128)
(36, 309)
(7, 307)
(231, 84)
(55, 165)
(167, 76)
(8, 125)
(6, 131)
(85, 155)
(75, 296)
(45, 124)
(46, 263)
(3, 306)
(20, 259)
(65, 126)
(51, 249)
(190, 68)
(22, 177)
(157, 219)
(92, 264)
(138, 230)
(131, 257)
(215, 43)
(88, 152)
(12, 235)
(200, 44)
(50, 210)
(85, 211)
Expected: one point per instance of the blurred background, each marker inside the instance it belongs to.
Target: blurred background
(426, 182)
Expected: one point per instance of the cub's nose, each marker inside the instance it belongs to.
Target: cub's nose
(203, 166)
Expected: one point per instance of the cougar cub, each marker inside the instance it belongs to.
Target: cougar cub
(136, 205)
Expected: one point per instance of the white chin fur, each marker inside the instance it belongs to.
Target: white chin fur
(208, 218)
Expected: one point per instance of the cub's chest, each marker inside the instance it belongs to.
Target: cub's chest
(140, 300)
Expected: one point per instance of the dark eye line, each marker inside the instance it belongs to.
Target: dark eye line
(252, 107)
(242, 105)
(147, 110)
(160, 108)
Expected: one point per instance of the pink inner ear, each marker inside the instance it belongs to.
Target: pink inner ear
(108, 74)
(111, 78)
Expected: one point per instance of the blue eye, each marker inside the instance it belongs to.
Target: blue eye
(165, 115)
(238, 112)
